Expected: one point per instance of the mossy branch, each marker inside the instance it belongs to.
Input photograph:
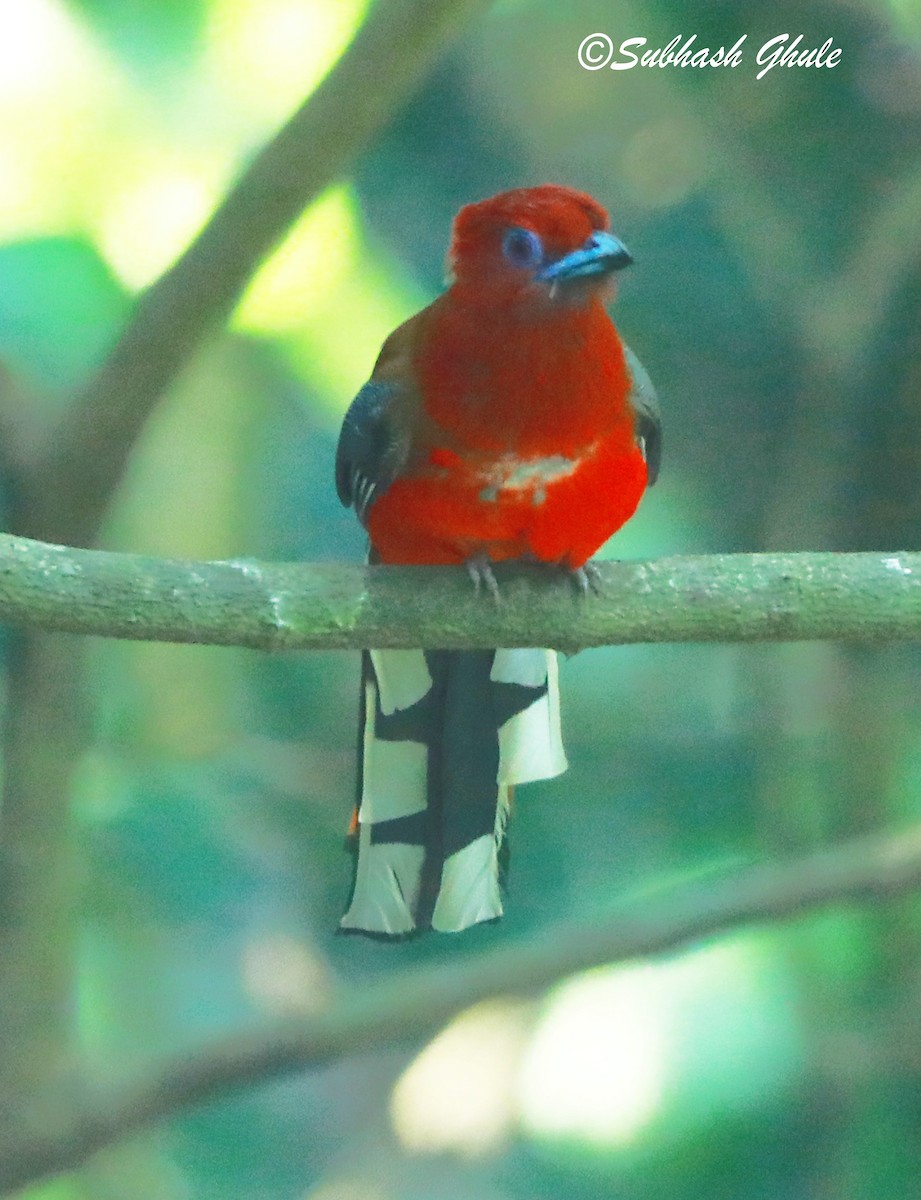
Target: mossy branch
(415, 1003)
(719, 597)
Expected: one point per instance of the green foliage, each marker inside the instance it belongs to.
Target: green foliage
(774, 302)
(153, 36)
(60, 308)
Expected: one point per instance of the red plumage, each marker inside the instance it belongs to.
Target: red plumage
(522, 436)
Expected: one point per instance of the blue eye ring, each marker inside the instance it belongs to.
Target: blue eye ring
(522, 247)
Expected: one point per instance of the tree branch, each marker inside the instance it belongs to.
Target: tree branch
(86, 455)
(720, 597)
(417, 1002)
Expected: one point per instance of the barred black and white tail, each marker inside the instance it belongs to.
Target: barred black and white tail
(446, 736)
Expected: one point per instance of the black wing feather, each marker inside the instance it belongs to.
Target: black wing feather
(648, 418)
(367, 458)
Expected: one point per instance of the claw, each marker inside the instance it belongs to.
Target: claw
(480, 571)
(587, 578)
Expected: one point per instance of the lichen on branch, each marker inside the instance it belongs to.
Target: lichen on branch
(269, 606)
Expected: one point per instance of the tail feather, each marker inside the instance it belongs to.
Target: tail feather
(469, 890)
(530, 738)
(445, 736)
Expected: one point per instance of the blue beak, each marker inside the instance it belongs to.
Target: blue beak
(600, 255)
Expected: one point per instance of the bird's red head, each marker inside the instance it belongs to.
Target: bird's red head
(542, 242)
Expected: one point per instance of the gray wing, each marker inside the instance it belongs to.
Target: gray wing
(648, 418)
(370, 452)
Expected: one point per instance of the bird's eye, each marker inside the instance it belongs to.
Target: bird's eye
(522, 248)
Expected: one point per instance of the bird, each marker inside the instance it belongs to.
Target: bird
(505, 421)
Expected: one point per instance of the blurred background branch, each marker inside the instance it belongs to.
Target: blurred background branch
(86, 450)
(408, 1008)
(730, 597)
(65, 457)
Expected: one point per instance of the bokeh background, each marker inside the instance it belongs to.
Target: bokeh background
(776, 227)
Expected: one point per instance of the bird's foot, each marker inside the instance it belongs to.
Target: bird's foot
(479, 568)
(587, 578)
